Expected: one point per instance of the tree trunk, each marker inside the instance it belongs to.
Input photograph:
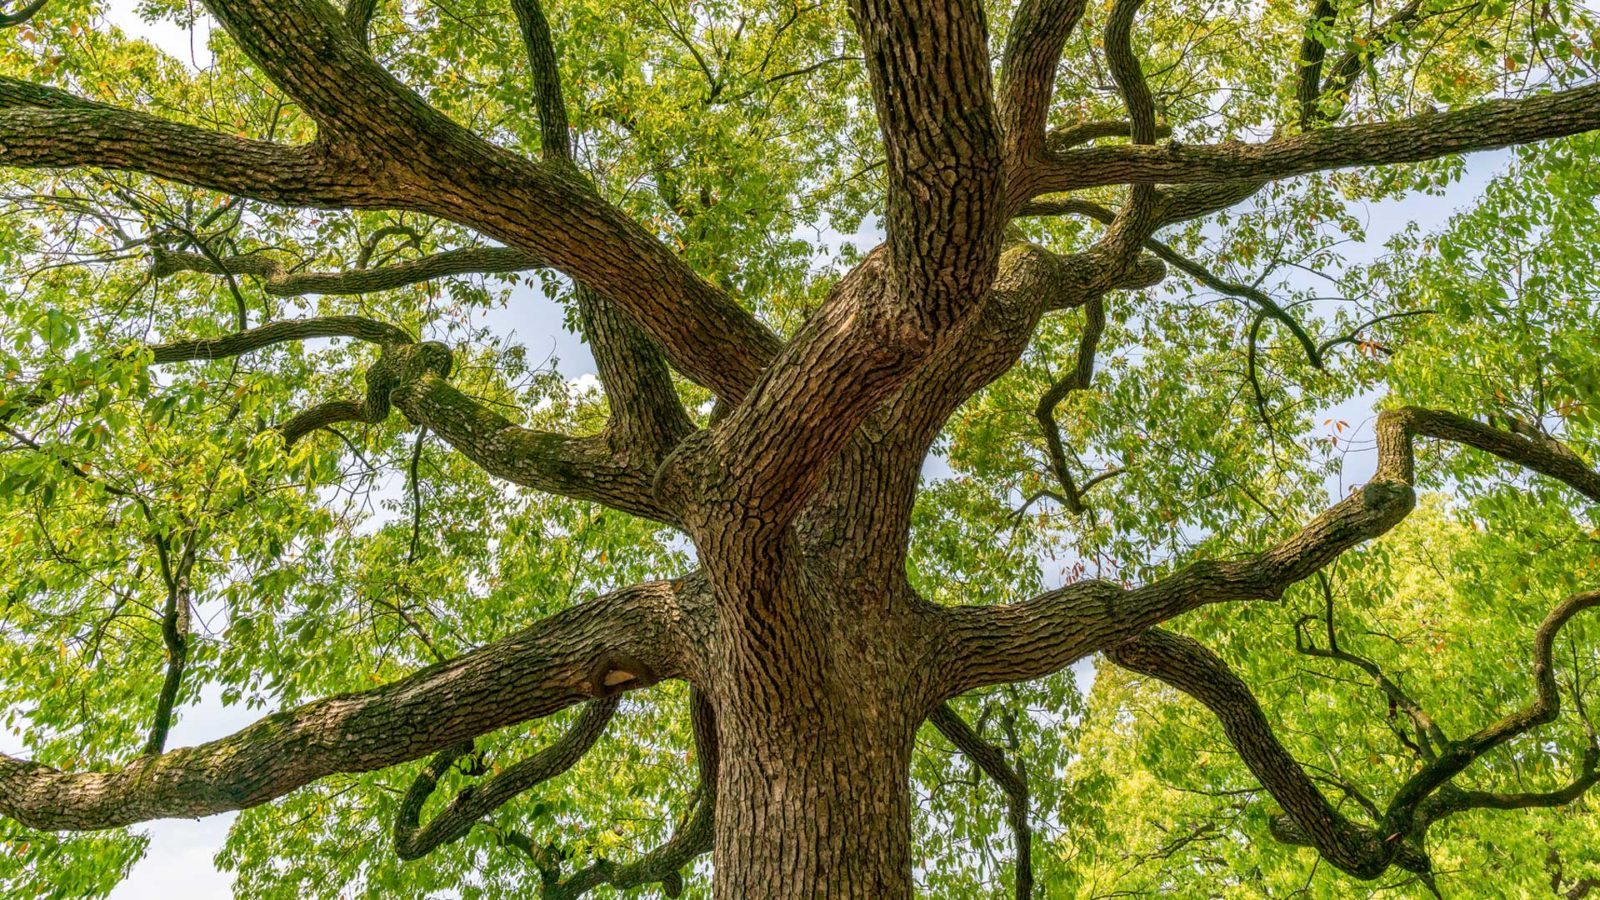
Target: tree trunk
(816, 721)
(814, 805)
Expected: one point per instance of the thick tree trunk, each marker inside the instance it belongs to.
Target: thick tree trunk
(814, 804)
(816, 718)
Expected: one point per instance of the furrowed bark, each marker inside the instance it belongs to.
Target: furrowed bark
(1486, 126)
(1033, 638)
(1039, 29)
(622, 641)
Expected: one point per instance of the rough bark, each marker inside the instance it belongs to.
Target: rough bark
(812, 661)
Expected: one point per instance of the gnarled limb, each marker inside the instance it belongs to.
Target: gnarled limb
(1185, 664)
(1012, 780)
(1424, 798)
(621, 641)
(664, 864)
(1485, 126)
(990, 644)
(1094, 325)
(280, 332)
(466, 809)
(279, 281)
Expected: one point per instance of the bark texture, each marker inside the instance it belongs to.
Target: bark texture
(813, 662)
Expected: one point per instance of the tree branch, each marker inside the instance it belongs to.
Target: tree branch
(664, 864)
(1424, 798)
(1039, 29)
(621, 641)
(990, 644)
(1012, 781)
(1094, 325)
(1485, 126)
(281, 282)
(45, 128)
(466, 809)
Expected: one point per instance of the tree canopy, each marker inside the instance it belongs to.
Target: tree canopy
(1012, 467)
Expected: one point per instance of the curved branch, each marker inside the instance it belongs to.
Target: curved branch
(991, 644)
(22, 15)
(1012, 781)
(621, 641)
(357, 327)
(466, 809)
(1485, 126)
(664, 864)
(280, 282)
(46, 128)
(1188, 666)
(1094, 325)
(1426, 796)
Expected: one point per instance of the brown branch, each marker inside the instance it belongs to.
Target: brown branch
(1188, 666)
(1039, 29)
(280, 282)
(1424, 798)
(990, 644)
(1485, 126)
(621, 641)
(466, 809)
(46, 128)
(22, 15)
(280, 332)
(175, 628)
(554, 138)
(662, 865)
(358, 18)
(1094, 325)
(1066, 137)
(1012, 780)
(1313, 49)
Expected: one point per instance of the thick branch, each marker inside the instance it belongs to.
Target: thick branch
(1025, 640)
(1039, 30)
(44, 128)
(621, 641)
(928, 61)
(1486, 126)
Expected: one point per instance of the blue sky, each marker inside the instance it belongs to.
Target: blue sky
(179, 863)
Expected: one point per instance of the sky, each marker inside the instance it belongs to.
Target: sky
(179, 864)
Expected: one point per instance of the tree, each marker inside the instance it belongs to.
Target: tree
(179, 447)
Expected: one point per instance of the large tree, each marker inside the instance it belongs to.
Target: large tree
(824, 667)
